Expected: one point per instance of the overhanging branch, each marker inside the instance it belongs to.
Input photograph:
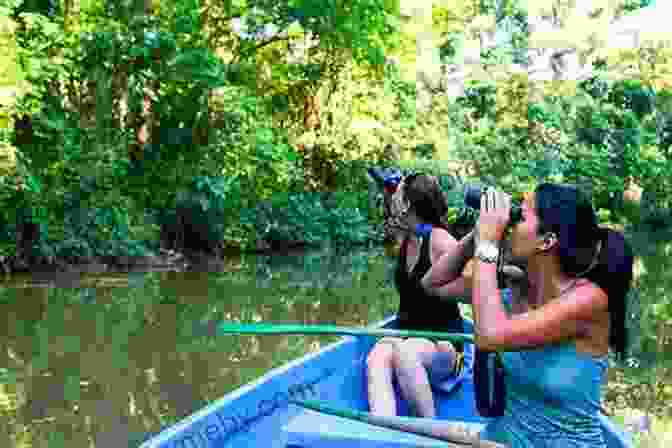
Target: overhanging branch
(261, 45)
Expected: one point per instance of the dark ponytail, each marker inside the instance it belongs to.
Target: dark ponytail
(613, 273)
(567, 212)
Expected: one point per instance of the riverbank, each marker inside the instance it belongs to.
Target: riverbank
(185, 260)
(290, 225)
(164, 260)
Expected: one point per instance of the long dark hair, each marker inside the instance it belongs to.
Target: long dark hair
(567, 212)
(426, 199)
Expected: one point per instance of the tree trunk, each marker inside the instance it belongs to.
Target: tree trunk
(120, 89)
(27, 235)
(142, 122)
(313, 157)
(311, 113)
(68, 9)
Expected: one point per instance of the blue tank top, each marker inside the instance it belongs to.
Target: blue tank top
(552, 398)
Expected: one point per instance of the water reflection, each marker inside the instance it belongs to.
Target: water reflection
(100, 361)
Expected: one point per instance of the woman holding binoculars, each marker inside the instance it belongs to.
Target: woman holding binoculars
(553, 345)
(418, 209)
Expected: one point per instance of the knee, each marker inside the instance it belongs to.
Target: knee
(445, 347)
(419, 345)
(380, 357)
(405, 356)
(414, 353)
(414, 349)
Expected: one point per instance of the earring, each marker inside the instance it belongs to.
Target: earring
(548, 239)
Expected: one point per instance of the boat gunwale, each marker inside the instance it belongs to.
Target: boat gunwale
(159, 438)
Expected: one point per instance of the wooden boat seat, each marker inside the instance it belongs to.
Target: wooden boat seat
(314, 430)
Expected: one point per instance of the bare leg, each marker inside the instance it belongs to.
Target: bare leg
(379, 373)
(446, 346)
(411, 360)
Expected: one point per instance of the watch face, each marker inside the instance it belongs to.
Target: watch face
(488, 251)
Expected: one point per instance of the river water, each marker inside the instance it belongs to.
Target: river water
(101, 361)
(107, 359)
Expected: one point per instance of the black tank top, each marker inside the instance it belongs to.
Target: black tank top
(417, 309)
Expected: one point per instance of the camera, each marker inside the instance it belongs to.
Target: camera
(472, 199)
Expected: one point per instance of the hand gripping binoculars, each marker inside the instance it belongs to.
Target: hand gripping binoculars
(472, 199)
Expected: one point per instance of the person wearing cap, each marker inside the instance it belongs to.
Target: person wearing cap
(417, 215)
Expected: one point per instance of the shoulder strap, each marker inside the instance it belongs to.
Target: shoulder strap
(424, 261)
(425, 248)
(402, 251)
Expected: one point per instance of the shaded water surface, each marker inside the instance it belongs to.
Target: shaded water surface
(101, 361)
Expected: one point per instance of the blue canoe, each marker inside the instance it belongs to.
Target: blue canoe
(258, 414)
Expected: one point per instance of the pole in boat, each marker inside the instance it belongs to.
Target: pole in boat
(443, 430)
(265, 328)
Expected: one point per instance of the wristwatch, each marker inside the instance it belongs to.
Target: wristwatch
(487, 252)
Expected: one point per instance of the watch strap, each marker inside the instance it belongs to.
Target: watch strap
(487, 252)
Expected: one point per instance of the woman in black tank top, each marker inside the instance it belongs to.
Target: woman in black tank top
(418, 211)
(418, 310)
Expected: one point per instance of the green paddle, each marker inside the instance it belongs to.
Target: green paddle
(238, 328)
(454, 432)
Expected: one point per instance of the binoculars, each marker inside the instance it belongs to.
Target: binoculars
(472, 199)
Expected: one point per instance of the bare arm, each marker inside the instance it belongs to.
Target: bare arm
(449, 266)
(553, 322)
(459, 288)
(458, 291)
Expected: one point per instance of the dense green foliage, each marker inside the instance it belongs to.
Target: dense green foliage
(181, 127)
(91, 189)
(187, 128)
(611, 133)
